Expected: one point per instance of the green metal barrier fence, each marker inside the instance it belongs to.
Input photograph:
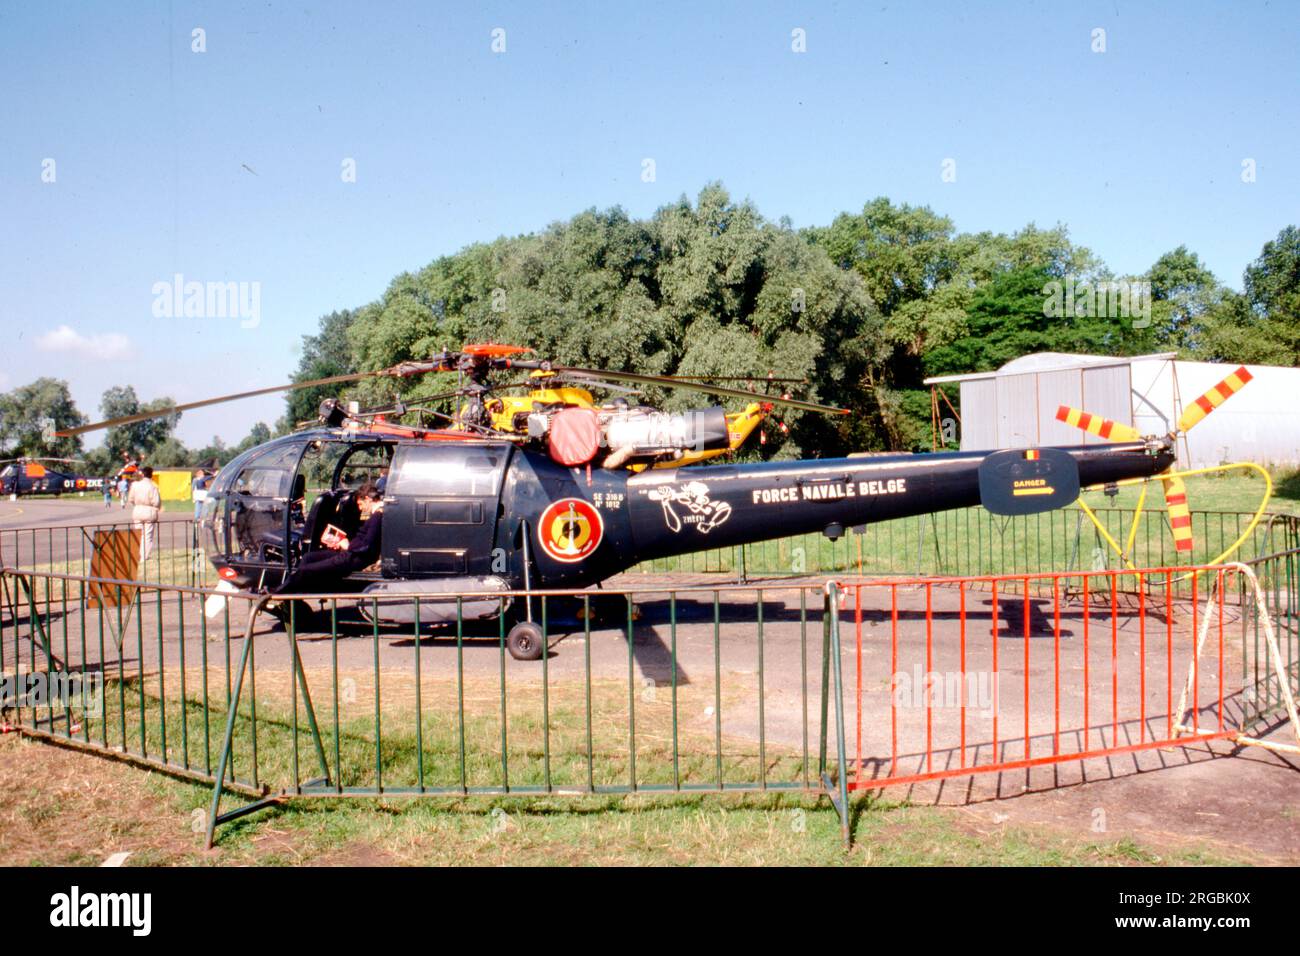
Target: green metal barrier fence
(653, 691)
(726, 688)
(176, 557)
(967, 542)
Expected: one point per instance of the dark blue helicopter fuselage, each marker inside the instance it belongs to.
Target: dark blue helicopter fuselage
(470, 509)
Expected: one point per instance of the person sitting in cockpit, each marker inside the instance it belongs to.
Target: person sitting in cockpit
(321, 570)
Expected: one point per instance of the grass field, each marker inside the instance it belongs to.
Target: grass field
(89, 808)
(567, 737)
(640, 831)
(174, 566)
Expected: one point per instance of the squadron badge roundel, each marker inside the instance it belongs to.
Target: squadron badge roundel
(570, 529)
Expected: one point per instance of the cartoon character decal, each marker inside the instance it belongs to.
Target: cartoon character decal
(689, 504)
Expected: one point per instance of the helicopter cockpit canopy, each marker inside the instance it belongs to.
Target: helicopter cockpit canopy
(272, 502)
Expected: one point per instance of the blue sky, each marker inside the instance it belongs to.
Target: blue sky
(226, 165)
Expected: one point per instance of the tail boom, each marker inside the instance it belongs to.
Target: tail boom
(709, 507)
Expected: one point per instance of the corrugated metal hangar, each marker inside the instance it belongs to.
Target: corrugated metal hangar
(1015, 407)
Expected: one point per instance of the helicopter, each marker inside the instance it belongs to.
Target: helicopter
(556, 491)
(31, 476)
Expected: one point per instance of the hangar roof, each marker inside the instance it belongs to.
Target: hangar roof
(1050, 362)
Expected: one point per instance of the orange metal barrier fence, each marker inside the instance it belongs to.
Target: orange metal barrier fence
(973, 675)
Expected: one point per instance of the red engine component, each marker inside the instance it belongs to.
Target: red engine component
(574, 436)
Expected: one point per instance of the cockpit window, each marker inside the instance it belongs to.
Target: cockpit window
(268, 475)
(9, 471)
(365, 463)
(318, 467)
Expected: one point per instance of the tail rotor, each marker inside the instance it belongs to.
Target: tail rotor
(1180, 518)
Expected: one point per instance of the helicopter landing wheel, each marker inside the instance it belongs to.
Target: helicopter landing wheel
(525, 641)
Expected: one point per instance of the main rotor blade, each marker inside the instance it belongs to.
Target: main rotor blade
(736, 378)
(581, 380)
(4, 461)
(415, 404)
(185, 407)
(447, 361)
(699, 387)
(1212, 399)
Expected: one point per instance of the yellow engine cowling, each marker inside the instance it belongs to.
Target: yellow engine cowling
(505, 410)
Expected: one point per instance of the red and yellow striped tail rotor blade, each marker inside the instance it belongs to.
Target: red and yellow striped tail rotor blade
(1096, 425)
(1180, 516)
(1212, 399)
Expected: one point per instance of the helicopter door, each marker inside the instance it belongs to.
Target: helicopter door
(441, 508)
(259, 506)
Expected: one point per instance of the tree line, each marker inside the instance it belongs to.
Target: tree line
(863, 309)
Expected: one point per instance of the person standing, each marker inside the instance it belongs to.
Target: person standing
(199, 491)
(146, 505)
(123, 486)
(106, 484)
